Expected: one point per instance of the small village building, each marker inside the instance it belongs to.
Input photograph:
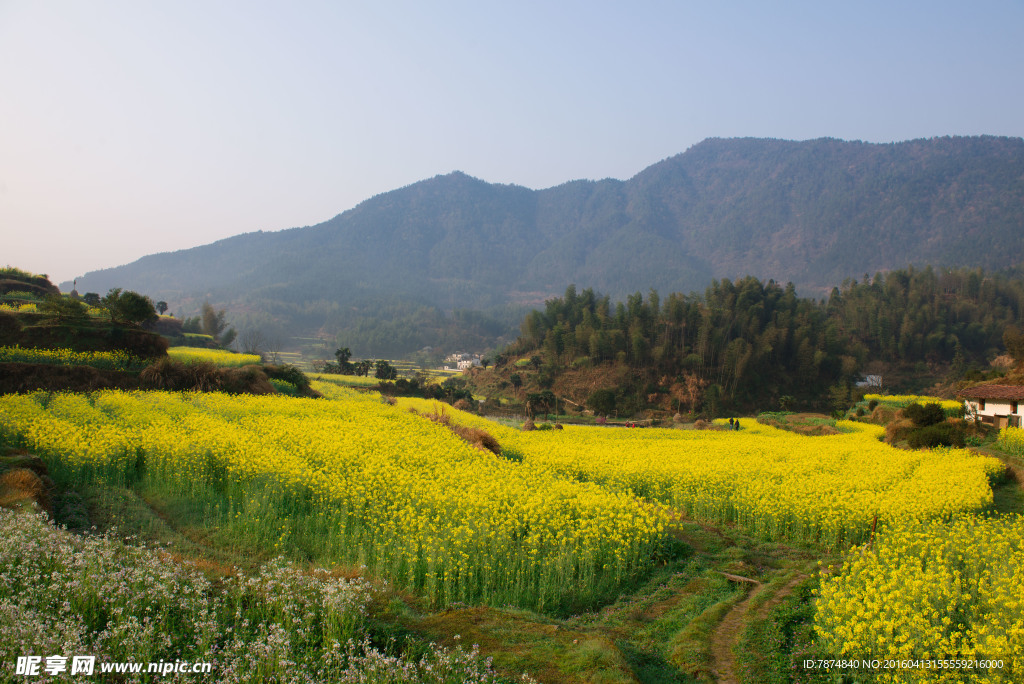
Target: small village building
(997, 405)
(462, 361)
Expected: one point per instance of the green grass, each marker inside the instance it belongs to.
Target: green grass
(20, 296)
(1007, 493)
(801, 423)
(285, 387)
(771, 650)
(689, 650)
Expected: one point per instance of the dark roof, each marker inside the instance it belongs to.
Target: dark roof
(1015, 392)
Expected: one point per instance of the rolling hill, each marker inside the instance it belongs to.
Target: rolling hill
(812, 212)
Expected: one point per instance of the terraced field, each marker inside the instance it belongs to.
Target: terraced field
(643, 555)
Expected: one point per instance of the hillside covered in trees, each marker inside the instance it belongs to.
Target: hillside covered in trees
(753, 344)
(813, 213)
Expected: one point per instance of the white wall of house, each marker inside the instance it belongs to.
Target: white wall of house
(999, 412)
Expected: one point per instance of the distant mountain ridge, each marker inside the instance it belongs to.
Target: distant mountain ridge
(813, 212)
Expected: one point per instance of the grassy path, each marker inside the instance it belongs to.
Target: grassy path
(755, 607)
(727, 634)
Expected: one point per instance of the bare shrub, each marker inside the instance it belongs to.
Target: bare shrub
(479, 438)
(167, 374)
(883, 415)
(246, 380)
(898, 430)
(438, 415)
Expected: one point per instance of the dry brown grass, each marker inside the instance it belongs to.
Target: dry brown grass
(522, 641)
(21, 486)
(208, 566)
(883, 415)
(815, 430)
(475, 437)
(479, 438)
(167, 374)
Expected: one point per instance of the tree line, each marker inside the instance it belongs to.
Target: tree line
(749, 342)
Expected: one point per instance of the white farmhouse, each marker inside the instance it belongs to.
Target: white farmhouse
(870, 381)
(998, 405)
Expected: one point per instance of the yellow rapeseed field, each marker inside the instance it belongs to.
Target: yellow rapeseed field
(116, 360)
(218, 357)
(19, 308)
(562, 516)
(931, 591)
(904, 400)
(823, 490)
(358, 479)
(1011, 440)
(345, 380)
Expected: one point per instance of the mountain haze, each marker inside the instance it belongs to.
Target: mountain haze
(814, 212)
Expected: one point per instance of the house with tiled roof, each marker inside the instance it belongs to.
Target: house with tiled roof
(998, 405)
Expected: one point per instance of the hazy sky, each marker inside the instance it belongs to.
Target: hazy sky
(128, 128)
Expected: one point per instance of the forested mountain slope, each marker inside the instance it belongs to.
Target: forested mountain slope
(813, 213)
